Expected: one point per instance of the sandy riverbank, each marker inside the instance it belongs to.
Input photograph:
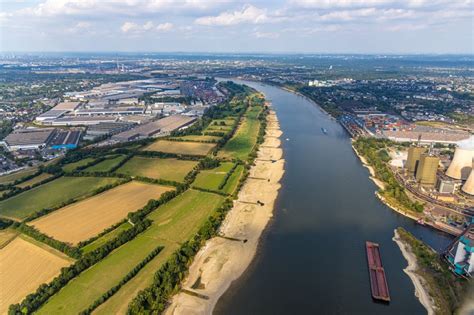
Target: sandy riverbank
(420, 292)
(377, 182)
(223, 260)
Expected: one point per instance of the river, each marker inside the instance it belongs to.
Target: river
(311, 259)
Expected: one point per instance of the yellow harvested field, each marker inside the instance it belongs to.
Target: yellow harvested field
(181, 147)
(24, 266)
(85, 219)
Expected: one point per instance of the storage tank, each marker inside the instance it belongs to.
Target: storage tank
(426, 170)
(468, 186)
(413, 158)
(461, 165)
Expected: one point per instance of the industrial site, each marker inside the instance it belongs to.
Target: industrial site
(111, 113)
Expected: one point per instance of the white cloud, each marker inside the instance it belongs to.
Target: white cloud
(165, 27)
(248, 14)
(116, 7)
(131, 27)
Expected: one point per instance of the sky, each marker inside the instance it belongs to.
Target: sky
(278, 26)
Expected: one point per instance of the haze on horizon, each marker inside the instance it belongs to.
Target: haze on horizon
(291, 26)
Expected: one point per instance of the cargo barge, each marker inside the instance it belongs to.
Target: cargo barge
(378, 281)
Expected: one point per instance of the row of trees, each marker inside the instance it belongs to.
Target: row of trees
(97, 191)
(35, 300)
(107, 295)
(166, 281)
(374, 151)
(37, 235)
(227, 176)
(15, 190)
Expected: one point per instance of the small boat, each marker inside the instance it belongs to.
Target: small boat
(421, 221)
(324, 130)
(378, 281)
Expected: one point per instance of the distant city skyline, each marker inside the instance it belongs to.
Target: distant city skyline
(291, 26)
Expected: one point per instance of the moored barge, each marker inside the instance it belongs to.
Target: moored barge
(378, 281)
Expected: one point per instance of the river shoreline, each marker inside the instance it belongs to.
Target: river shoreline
(411, 270)
(381, 185)
(225, 258)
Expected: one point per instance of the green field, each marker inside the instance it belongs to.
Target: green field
(50, 195)
(173, 223)
(105, 165)
(10, 178)
(211, 179)
(233, 180)
(37, 179)
(199, 138)
(105, 238)
(71, 167)
(168, 169)
(243, 141)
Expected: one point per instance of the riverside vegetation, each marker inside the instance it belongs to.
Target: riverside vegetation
(245, 107)
(375, 152)
(446, 290)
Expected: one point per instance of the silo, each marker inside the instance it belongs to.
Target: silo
(426, 171)
(413, 158)
(461, 165)
(468, 186)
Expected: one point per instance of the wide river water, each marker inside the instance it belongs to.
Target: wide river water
(311, 259)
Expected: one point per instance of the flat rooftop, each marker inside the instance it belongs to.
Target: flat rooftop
(29, 136)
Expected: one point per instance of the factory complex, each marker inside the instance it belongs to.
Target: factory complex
(120, 111)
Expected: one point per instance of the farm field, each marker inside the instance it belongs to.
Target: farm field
(24, 267)
(106, 237)
(85, 219)
(245, 138)
(10, 178)
(177, 147)
(37, 179)
(72, 166)
(199, 138)
(173, 223)
(105, 165)
(211, 179)
(233, 180)
(6, 236)
(168, 169)
(50, 195)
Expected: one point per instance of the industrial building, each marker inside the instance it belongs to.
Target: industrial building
(413, 159)
(460, 255)
(50, 115)
(28, 139)
(446, 185)
(79, 121)
(106, 128)
(161, 127)
(67, 106)
(461, 165)
(65, 139)
(426, 170)
(426, 136)
(110, 111)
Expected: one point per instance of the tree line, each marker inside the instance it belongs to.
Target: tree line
(35, 300)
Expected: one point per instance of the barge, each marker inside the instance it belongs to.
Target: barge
(378, 280)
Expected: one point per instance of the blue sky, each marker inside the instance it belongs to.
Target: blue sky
(303, 26)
